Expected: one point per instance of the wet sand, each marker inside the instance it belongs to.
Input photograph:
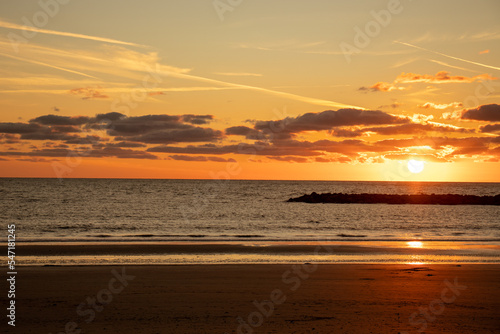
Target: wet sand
(328, 298)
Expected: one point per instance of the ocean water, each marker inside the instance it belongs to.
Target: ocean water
(95, 210)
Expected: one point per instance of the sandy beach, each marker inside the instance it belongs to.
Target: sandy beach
(333, 298)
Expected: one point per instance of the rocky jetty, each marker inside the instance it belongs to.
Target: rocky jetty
(443, 199)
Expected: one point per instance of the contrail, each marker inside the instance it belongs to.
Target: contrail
(15, 26)
(444, 55)
(48, 65)
(264, 90)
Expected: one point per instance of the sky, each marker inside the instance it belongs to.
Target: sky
(238, 89)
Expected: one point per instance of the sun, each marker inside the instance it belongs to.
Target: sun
(415, 166)
(415, 244)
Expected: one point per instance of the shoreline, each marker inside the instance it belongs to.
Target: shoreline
(210, 253)
(340, 298)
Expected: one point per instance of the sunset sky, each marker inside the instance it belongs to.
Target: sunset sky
(250, 89)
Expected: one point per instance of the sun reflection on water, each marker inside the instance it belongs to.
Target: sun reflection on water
(415, 244)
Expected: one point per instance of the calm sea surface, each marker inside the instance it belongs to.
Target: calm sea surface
(204, 210)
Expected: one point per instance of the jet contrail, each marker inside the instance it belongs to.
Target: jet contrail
(264, 90)
(48, 65)
(444, 55)
(15, 26)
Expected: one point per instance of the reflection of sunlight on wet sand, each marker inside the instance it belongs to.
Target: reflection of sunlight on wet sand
(416, 260)
(415, 244)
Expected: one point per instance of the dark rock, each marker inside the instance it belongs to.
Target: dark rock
(445, 199)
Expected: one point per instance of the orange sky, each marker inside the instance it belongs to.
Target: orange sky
(255, 90)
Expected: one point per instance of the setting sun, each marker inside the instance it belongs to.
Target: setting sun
(416, 166)
(415, 244)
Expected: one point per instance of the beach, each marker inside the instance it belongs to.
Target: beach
(148, 256)
(279, 298)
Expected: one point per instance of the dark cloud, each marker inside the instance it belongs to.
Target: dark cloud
(129, 137)
(87, 140)
(402, 129)
(192, 134)
(290, 159)
(19, 128)
(329, 119)
(66, 129)
(7, 138)
(200, 158)
(415, 128)
(139, 125)
(380, 87)
(192, 149)
(125, 144)
(88, 93)
(48, 134)
(60, 120)
(488, 112)
(197, 119)
(106, 152)
(35, 159)
(239, 130)
(490, 128)
(112, 116)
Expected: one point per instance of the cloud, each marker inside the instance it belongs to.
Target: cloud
(197, 119)
(448, 56)
(200, 158)
(9, 25)
(394, 105)
(339, 159)
(7, 138)
(421, 157)
(125, 144)
(35, 159)
(250, 133)
(488, 112)
(158, 129)
(96, 153)
(439, 78)
(431, 105)
(449, 65)
(120, 125)
(402, 129)
(381, 87)
(115, 135)
(195, 134)
(290, 159)
(60, 120)
(19, 128)
(484, 52)
(47, 65)
(490, 128)
(88, 93)
(329, 119)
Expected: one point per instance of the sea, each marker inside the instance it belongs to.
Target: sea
(248, 212)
